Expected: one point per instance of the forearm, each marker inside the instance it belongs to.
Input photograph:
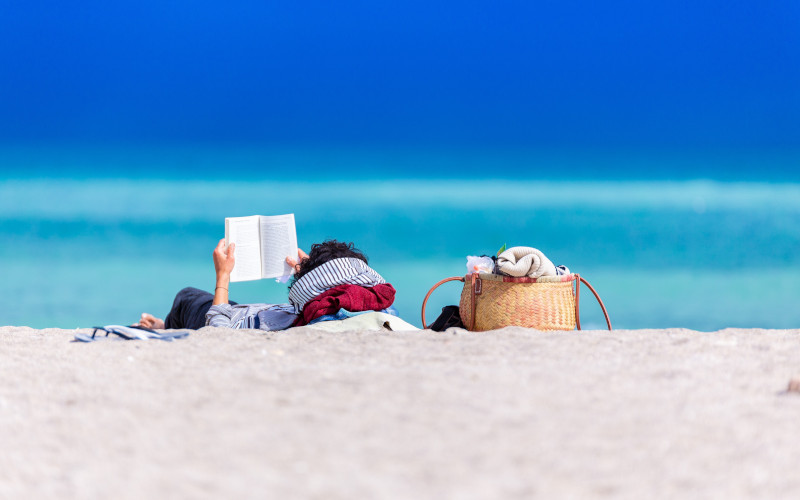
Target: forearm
(221, 290)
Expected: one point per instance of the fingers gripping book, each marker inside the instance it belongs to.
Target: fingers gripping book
(262, 244)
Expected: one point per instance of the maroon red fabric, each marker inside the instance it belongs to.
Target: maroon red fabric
(351, 297)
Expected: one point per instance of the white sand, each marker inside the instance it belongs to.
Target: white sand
(302, 414)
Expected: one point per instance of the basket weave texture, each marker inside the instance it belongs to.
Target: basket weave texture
(526, 302)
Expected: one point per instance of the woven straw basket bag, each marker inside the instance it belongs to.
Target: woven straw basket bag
(491, 301)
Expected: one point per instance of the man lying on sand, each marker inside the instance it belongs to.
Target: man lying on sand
(333, 281)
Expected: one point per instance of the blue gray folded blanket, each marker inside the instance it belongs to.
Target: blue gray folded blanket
(119, 332)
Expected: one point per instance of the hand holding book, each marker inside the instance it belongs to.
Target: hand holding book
(295, 263)
(224, 260)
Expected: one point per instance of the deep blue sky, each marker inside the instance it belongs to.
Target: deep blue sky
(561, 74)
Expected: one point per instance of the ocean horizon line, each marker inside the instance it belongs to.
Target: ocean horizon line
(440, 163)
(146, 199)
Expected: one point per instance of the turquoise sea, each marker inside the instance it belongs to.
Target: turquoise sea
(100, 239)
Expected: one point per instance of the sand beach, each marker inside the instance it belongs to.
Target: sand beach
(513, 413)
(650, 148)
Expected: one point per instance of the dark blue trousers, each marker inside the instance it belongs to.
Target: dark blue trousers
(189, 309)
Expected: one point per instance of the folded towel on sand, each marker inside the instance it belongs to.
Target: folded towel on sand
(130, 333)
(525, 261)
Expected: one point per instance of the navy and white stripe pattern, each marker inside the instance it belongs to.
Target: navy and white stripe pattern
(251, 316)
(344, 271)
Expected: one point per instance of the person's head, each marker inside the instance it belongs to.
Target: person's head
(326, 251)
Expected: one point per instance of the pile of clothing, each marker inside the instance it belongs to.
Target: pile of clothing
(347, 284)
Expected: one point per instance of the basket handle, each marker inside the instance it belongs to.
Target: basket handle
(577, 300)
(454, 278)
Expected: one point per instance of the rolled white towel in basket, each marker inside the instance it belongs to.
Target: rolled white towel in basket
(525, 261)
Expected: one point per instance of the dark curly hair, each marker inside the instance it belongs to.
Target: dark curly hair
(323, 252)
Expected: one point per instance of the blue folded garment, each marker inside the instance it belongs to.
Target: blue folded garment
(344, 314)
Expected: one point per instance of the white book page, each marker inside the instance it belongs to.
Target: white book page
(244, 232)
(278, 241)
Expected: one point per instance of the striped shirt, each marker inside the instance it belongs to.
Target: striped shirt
(344, 271)
(251, 316)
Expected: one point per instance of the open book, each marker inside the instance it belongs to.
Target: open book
(262, 245)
